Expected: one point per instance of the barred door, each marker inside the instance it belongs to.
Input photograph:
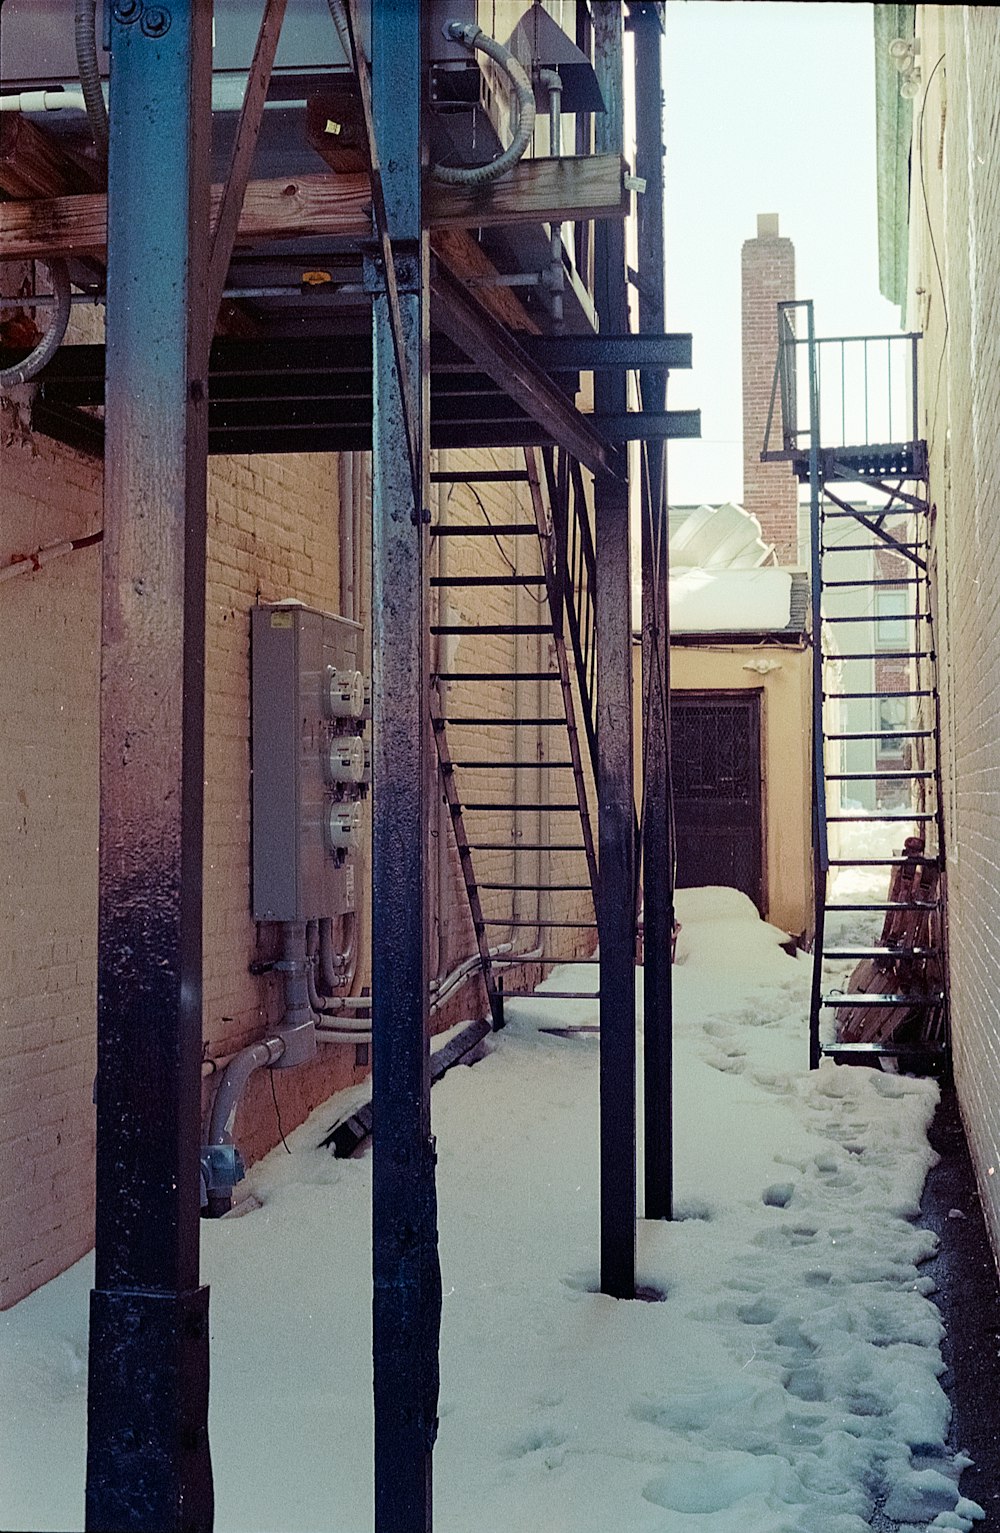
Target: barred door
(716, 763)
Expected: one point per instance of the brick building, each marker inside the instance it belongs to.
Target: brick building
(940, 260)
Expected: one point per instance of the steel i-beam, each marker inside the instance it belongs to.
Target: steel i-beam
(407, 1281)
(148, 1463)
(616, 801)
(646, 20)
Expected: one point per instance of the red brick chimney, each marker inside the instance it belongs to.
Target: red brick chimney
(770, 491)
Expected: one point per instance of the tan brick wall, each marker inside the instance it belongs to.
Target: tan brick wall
(272, 533)
(49, 637)
(769, 490)
(957, 163)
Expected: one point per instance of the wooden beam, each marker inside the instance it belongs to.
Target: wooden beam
(533, 192)
(464, 257)
(247, 132)
(338, 207)
(33, 163)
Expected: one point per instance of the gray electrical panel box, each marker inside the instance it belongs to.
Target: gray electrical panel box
(310, 762)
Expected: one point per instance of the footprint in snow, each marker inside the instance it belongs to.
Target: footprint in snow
(537, 1440)
(786, 1235)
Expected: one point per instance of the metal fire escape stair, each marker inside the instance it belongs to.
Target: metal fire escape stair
(893, 1003)
(560, 536)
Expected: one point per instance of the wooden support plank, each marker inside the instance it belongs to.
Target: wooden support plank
(33, 163)
(464, 257)
(535, 191)
(338, 207)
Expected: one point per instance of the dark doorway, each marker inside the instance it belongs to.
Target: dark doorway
(715, 749)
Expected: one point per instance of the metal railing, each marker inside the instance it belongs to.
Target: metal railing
(866, 387)
(576, 578)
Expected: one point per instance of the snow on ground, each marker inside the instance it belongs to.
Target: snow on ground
(788, 1382)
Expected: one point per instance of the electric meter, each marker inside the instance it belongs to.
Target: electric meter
(345, 762)
(343, 826)
(345, 695)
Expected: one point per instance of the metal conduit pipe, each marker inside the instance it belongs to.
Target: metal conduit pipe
(292, 1043)
(471, 36)
(85, 35)
(29, 366)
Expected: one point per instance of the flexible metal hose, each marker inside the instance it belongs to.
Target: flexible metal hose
(21, 372)
(85, 33)
(472, 37)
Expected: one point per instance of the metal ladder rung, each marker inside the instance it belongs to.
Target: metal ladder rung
(881, 952)
(491, 628)
(540, 888)
(879, 819)
(868, 548)
(915, 692)
(895, 617)
(492, 766)
(888, 654)
(486, 580)
(479, 476)
(893, 776)
(522, 846)
(892, 581)
(559, 925)
(857, 516)
(885, 905)
(883, 862)
(454, 718)
(856, 998)
(882, 734)
(887, 1050)
(493, 530)
(497, 675)
(505, 808)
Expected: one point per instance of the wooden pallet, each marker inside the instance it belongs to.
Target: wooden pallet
(912, 882)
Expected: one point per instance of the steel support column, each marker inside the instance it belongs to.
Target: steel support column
(646, 20)
(148, 1464)
(616, 799)
(407, 1282)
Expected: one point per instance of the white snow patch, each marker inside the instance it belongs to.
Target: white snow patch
(789, 1382)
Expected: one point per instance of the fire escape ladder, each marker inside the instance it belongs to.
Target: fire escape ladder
(560, 532)
(880, 964)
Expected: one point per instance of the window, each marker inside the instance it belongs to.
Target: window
(891, 629)
(891, 713)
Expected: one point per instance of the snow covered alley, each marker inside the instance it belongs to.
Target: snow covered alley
(787, 1381)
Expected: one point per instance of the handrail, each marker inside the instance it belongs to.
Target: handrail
(866, 387)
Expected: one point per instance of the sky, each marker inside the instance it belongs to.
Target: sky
(770, 108)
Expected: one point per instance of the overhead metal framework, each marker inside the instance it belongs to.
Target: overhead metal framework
(412, 339)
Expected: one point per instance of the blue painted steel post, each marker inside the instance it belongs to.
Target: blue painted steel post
(646, 20)
(615, 790)
(407, 1282)
(148, 1463)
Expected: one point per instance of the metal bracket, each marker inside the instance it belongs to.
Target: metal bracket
(221, 1167)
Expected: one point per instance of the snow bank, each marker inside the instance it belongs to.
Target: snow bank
(788, 1382)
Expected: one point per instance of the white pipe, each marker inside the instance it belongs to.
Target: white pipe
(227, 96)
(36, 560)
(44, 101)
